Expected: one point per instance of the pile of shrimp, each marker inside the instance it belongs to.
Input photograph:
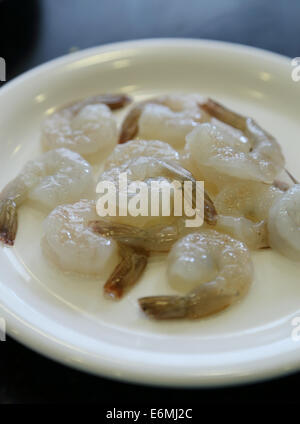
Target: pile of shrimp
(247, 204)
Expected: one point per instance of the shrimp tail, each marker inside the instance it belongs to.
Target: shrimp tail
(8, 221)
(164, 307)
(210, 213)
(155, 238)
(127, 272)
(192, 306)
(114, 101)
(225, 115)
(240, 122)
(117, 231)
(130, 127)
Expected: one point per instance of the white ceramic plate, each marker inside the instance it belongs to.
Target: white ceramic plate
(68, 319)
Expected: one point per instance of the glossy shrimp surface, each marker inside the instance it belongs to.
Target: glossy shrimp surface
(168, 118)
(58, 176)
(258, 159)
(284, 223)
(70, 243)
(214, 270)
(85, 127)
(76, 241)
(243, 210)
(136, 148)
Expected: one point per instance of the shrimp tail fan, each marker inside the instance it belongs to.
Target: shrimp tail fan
(164, 307)
(8, 221)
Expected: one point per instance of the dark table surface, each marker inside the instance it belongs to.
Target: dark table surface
(33, 32)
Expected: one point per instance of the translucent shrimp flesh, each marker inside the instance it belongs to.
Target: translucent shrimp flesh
(243, 210)
(258, 159)
(214, 270)
(85, 127)
(284, 223)
(57, 177)
(168, 118)
(136, 148)
(70, 243)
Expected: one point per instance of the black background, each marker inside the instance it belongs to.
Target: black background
(32, 32)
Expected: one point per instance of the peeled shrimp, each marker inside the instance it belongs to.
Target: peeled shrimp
(148, 169)
(259, 159)
(58, 176)
(243, 210)
(127, 272)
(137, 148)
(85, 127)
(168, 118)
(215, 270)
(135, 245)
(284, 223)
(157, 238)
(71, 244)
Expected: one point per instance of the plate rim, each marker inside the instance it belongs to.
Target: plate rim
(41, 343)
(60, 60)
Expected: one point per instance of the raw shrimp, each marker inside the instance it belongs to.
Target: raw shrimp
(214, 181)
(136, 148)
(243, 210)
(127, 272)
(58, 176)
(284, 223)
(85, 127)
(158, 238)
(148, 169)
(169, 118)
(135, 244)
(259, 159)
(217, 267)
(71, 244)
